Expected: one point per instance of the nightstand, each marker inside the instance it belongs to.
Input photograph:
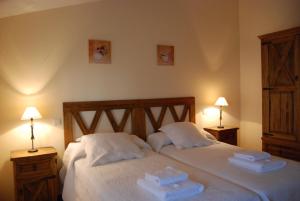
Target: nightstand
(226, 134)
(35, 174)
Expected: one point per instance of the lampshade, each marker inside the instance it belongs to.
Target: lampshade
(221, 102)
(31, 113)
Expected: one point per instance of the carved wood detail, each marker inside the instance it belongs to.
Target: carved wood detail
(156, 124)
(118, 127)
(136, 108)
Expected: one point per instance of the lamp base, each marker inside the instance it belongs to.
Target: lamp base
(32, 150)
(220, 127)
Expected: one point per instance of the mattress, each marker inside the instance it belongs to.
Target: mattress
(277, 185)
(117, 181)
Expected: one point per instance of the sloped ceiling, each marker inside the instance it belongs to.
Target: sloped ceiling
(17, 7)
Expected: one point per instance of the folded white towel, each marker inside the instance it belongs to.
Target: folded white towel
(252, 155)
(171, 192)
(258, 166)
(169, 175)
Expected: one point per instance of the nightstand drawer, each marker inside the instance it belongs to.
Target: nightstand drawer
(227, 137)
(42, 168)
(227, 134)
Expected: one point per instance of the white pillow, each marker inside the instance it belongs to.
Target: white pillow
(135, 139)
(139, 142)
(185, 135)
(105, 148)
(208, 135)
(158, 140)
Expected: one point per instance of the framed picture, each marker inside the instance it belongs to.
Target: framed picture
(99, 52)
(165, 55)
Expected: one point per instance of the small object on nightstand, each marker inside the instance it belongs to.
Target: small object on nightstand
(226, 134)
(31, 113)
(35, 174)
(221, 102)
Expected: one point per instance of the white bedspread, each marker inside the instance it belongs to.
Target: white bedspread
(280, 185)
(118, 181)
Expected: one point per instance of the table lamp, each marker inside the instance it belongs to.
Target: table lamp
(221, 102)
(31, 113)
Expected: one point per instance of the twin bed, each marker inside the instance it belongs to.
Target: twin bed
(207, 165)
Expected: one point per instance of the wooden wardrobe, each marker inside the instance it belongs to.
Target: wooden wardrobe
(281, 93)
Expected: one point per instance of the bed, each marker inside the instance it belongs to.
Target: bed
(277, 185)
(117, 181)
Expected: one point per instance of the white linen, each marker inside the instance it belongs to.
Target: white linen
(158, 140)
(105, 148)
(278, 185)
(165, 176)
(252, 155)
(73, 152)
(139, 142)
(208, 135)
(172, 192)
(185, 135)
(117, 181)
(260, 166)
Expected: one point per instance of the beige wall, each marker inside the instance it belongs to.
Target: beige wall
(43, 62)
(257, 17)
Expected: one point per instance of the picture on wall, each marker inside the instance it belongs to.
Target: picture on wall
(165, 55)
(99, 52)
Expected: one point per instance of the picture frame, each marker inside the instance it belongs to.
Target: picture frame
(165, 55)
(99, 52)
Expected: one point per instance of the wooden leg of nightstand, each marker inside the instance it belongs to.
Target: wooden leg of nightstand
(59, 198)
(52, 185)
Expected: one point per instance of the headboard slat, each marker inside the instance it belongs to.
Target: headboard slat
(138, 122)
(80, 122)
(184, 113)
(111, 118)
(161, 117)
(95, 121)
(156, 124)
(174, 113)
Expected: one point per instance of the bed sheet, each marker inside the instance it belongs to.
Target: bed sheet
(117, 181)
(283, 184)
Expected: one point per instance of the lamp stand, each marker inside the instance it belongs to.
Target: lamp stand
(220, 125)
(32, 138)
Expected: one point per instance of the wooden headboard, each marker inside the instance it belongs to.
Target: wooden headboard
(139, 109)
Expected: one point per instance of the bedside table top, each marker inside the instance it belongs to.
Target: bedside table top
(222, 129)
(25, 154)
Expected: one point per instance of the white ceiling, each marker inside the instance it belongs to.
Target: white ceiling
(17, 7)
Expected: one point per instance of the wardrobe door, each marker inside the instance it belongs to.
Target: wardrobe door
(280, 71)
